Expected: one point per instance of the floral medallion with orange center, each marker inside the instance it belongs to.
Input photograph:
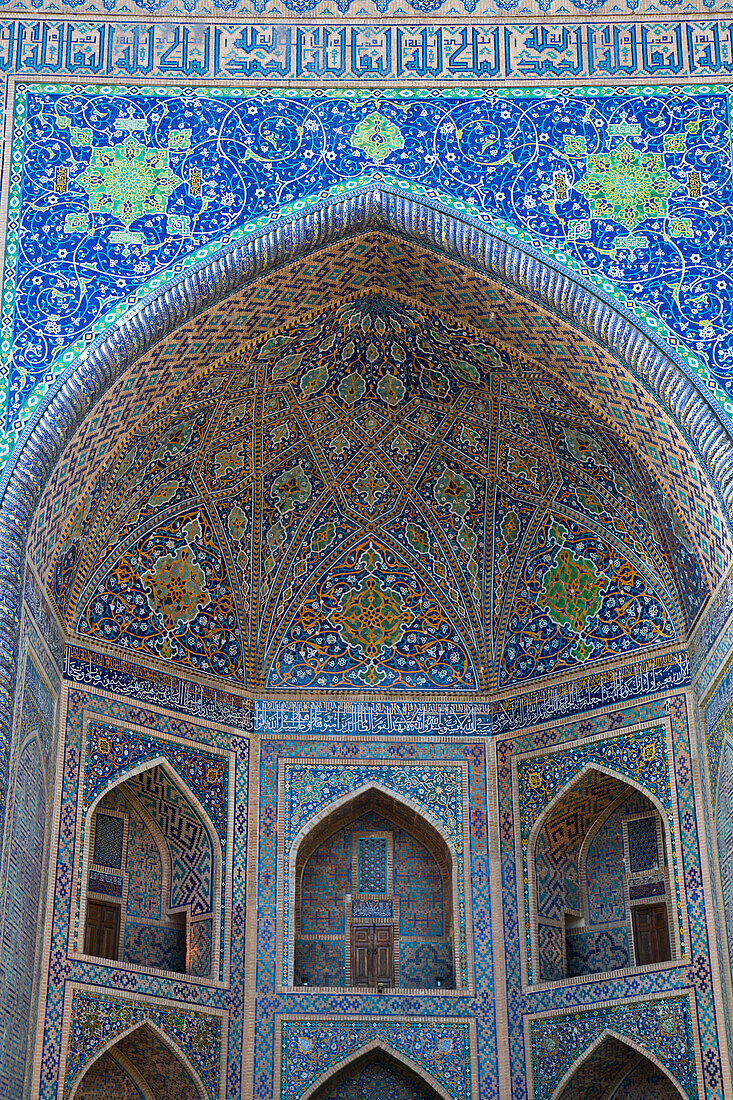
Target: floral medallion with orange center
(371, 619)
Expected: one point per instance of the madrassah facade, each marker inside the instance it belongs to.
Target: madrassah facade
(366, 550)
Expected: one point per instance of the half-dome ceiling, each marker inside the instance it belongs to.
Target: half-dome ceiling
(376, 498)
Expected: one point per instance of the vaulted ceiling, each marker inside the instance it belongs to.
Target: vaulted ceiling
(377, 497)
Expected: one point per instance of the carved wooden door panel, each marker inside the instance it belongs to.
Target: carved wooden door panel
(383, 954)
(651, 934)
(371, 954)
(102, 935)
(361, 955)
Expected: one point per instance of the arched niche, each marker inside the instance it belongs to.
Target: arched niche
(374, 898)
(374, 1071)
(516, 269)
(151, 875)
(142, 1061)
(614, 1068)
(601, 892)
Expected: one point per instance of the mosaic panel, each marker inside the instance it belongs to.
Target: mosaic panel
(604, 872)
(663, 1026)
(724, 830)
(574, 734)
(187, 837)
(187, 998)
(378, 1079)
(332, 720)
(437, 788)
(24, 908)
(108, 837)
(112, 750)
(559, 841)
(381, 263)
(646, 1080)
(326, 879)
(630, 1074)
(643, 847)
(550, 951)
(642, 758)
(311, 1047)
(597, 952)
(43, 617)
(148, 945)
(593, 220)
(107, 1077)
(418, 885)
(98, 1017)
(424, 965)
(374, 520)
(319, 963)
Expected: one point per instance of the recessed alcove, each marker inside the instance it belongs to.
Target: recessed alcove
(374, 899)
(601, 896)
(613, 1069)
(151, 876)
(142, 1063)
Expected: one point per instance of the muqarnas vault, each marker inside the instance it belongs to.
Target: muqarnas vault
(371, 728)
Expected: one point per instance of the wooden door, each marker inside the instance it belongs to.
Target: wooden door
(382, 954)
(102, 935)
(361, 955)
(371, 955)
(651, 934)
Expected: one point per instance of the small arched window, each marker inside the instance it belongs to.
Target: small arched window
(374, 900)
(602, 896)
(152, 877)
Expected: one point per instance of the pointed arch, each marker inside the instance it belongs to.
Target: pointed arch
(375, 206)
(375, 1051)
(593, 766)
(627, 784)
(634, 1048)
(166, 1039)
(160, 761)
(395, 808)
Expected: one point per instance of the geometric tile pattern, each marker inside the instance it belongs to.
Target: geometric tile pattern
(426, 754)
(436, 788)
(389, 479)
(632, 1076)
(96, 1018)
(376, 1080)
(663, 1027)
(155, 990)
(598, 952)
(643, 758)
(441, 1049)
(546, 342)
(724, 829)
(27, 825)
(112, 750)
(575, 734)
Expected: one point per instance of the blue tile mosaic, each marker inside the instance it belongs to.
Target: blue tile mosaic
(551, 167)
